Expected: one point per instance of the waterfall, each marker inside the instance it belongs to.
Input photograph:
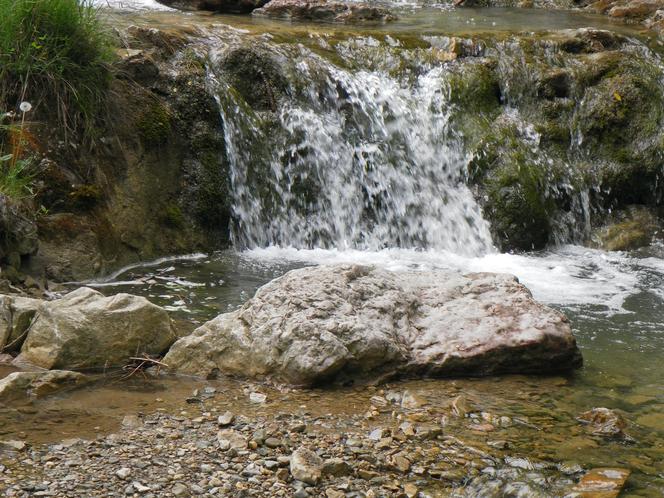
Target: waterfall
(351, 158)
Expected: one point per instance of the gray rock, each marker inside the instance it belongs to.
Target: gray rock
(12, 445)
(226, 419)
(257, 397)
(23, 386)
(306, 466)
(85, 329)
(229, 438)
(350, 321)
(123, 473)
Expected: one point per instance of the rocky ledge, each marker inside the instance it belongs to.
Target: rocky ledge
(322, 10)
(348, 322)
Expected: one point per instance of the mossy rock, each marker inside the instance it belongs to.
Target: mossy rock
(474, 87)
(154, 124)
(632, 228)
(256, 74)
(518, 207)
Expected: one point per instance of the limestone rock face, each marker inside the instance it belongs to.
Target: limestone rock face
(23, 386)
(85, 329)
(344, 322)
(323, 10)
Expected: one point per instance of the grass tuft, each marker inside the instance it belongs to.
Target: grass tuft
(56, 55)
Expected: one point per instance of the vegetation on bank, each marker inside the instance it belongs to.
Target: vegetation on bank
(56, 55)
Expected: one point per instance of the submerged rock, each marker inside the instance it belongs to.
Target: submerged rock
(604, 422)
(629, 229)
(323, 10)
(23, 386)
(601, 483)
(85, 329)
(347, 321)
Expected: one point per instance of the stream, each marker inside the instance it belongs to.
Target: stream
(614, 300)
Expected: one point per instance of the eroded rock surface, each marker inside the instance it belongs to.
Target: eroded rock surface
(323, 10)
(85, 329)
(349, 321)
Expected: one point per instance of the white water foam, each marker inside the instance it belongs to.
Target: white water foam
(571, 276)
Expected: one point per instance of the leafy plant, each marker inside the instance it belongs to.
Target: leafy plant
(55, 53)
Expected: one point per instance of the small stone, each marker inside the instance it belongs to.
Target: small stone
(411, 490)
(384, 443)
(378, 401)
(401, 463)
(336, 467)
(226, 419)
(131, 422)
(140, 487)
(306, 466)
(230, 439)
(411, 400)
(179, 490)
(272, 442)
(376, 434)
(123, 473)
(367, 475)
(407, 429)
(282, 474)
(256, 397)
(334, 493)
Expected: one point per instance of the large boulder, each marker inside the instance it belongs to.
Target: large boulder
(324, 10)
(16, 314)
(346, 322)
(85, 329)
(25, 386)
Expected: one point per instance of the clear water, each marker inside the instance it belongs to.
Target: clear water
(614, 301)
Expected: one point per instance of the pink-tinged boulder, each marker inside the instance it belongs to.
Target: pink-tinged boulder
(346, 322)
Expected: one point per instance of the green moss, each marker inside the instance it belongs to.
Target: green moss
(212, 201)
(519, 207)
(474, 88)
(172, 216)
(154, 124)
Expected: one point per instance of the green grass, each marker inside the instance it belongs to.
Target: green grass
(17, 173)
(55, 54)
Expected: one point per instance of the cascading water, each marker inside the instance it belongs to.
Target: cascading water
(362, 159)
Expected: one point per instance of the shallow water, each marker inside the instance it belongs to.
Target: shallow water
(613, 300)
